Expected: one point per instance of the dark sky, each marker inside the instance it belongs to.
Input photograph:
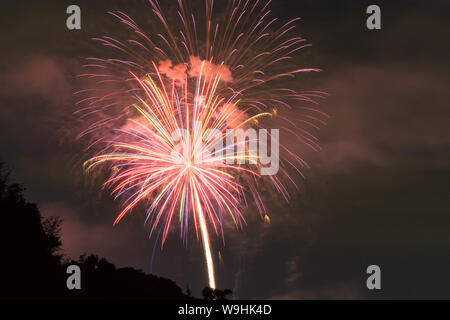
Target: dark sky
(376, 194)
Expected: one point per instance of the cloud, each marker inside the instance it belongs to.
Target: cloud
(374, 119)
(36, 96)
(39, 77)
(176, 73)
(78, 237)
(197, 67)
(204, 67)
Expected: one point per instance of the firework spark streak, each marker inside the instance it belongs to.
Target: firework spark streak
(159, 114)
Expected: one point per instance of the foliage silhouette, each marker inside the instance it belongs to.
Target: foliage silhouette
(32, 266)
(215, 294)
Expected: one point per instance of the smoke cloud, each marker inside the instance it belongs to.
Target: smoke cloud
(180, 72)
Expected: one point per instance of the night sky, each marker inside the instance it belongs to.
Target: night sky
(377, 193)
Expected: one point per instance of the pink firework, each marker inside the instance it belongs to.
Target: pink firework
(158, 114)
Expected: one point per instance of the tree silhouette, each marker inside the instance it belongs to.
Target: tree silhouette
(27, 249)
(215, 294)
(32, 264)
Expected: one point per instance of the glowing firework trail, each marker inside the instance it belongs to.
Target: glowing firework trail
(177, 170)
(162, 147)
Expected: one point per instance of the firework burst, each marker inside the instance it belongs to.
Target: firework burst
(158, 116)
